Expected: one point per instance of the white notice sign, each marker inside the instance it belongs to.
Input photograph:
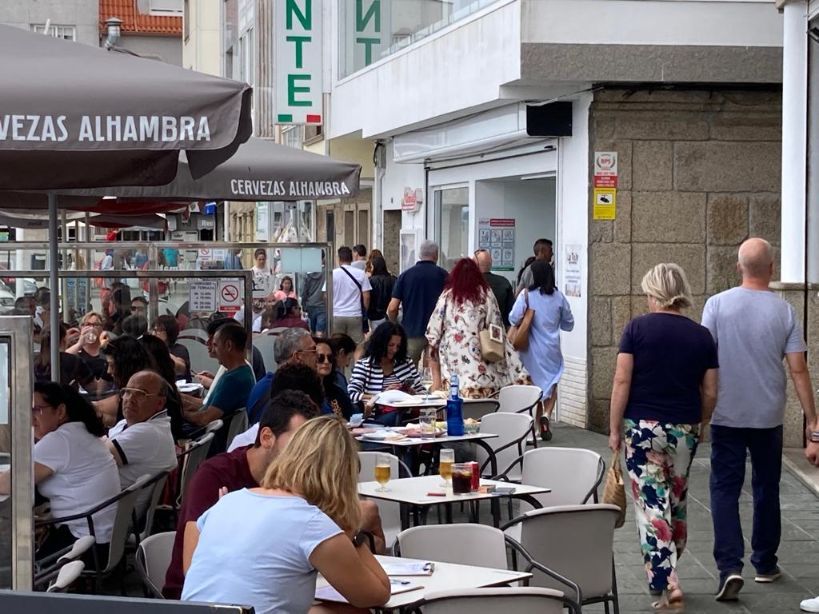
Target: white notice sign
(202, 295)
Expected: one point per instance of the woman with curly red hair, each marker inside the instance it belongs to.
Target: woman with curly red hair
(466, 307)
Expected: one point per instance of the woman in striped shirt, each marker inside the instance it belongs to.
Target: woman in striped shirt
(385, 366)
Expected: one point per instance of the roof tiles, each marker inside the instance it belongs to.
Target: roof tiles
(134, 22)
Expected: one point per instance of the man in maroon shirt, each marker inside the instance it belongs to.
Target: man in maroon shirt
(245, 468)
(241, 468)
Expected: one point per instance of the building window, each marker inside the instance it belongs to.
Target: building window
(246, 63)
(291, 136)
(173, 7)
(373, 29)
(68, 33)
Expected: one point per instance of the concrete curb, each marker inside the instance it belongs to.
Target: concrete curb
(795, 461)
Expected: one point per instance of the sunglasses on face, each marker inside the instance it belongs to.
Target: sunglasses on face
(320, 358)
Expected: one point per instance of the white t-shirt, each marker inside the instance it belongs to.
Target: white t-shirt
(360, 264)
(85, 474)
(146, 447)
(255, 549)
(247, 438)
(346, 295)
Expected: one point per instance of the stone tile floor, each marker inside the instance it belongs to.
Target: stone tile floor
(798, 554)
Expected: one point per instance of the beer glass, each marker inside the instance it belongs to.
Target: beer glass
(382, 471)
(445, 460)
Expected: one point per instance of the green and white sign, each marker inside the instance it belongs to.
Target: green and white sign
(367, 32)
(297, 61)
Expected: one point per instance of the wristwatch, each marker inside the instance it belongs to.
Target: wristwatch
(363, 537)
(814, 437)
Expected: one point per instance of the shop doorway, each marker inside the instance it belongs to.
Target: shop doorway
(511, 214)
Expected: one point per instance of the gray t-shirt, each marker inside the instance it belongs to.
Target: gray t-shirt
(753, 329)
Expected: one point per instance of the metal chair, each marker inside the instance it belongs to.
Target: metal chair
(48, 568)
(548, 467)
(190, 459)
(125, 502)
(478, 408)
(571, 545)
(238, 424)
(521, 600)
(389, 511)
(520, 399)
(193, 333)
(266, 344)
(66, 576)
(512, 431)
(200, 359)
(463, 544)
(144, 519)
(153, 556)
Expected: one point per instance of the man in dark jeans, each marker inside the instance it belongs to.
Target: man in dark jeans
(754, 330)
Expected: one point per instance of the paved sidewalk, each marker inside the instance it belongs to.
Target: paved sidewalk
(798, 554)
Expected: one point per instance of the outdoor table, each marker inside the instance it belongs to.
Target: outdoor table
(415, 492)
(411, 442)
(445, 576)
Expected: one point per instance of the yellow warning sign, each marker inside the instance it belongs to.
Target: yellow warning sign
(605, 203)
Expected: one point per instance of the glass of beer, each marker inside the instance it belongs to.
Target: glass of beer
(382, 471)
(445, 461)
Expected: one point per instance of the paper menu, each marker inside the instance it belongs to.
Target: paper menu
(409, 568)
(328, 593)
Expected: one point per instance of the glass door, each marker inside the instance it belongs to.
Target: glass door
(451, 207)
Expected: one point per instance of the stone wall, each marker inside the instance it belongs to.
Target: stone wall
(699, 171)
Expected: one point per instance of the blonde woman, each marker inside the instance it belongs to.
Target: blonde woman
(263, 546)
(665, 386)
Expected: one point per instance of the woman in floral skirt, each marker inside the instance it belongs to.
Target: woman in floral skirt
(665, 388)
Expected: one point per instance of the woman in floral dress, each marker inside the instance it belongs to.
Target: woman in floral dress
(665, 386)
(466, 307)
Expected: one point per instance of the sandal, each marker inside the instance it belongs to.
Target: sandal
(672, 599)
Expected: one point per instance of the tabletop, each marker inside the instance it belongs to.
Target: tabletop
(446, 576)
(415, 491)
(408, 442)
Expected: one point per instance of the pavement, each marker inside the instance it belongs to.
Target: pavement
(798, 553)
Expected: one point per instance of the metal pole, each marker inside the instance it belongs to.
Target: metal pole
(54, 287)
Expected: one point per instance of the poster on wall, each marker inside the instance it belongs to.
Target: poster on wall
(497, 236)
(573, 271)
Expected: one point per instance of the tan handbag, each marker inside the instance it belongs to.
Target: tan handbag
(614, 491)
(492, 347)
(519, 334)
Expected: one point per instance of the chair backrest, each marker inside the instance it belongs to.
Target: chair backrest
(238, 424)
(463, 544)
(153, 556)
(512, 431)
(154, 488)
(389, 511)
(123, 523)
(67, 575)
(478, 409)
(195, 455)
(200, 360)
(266, 344)
(214, 425)
(548, 467)
(520, 600)
(576, 541)
(193, 333)
(517, 398)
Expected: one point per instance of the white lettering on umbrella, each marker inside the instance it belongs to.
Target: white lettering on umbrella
(148, 128)
(203, 134)
(130, 132)
(32, 128)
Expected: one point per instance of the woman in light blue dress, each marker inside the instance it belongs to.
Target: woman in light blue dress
(543, 358)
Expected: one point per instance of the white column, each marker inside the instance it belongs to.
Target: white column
(794, 140)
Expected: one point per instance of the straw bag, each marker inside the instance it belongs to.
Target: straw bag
(492, 349)
(519, 334)
(614, 491)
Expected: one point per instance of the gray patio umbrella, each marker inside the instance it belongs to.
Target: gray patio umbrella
(75, 116)
(259, 170)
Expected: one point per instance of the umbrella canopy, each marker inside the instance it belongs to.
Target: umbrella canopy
(259, 170)
(72, 115)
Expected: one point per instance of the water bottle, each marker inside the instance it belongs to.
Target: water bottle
(454, 409)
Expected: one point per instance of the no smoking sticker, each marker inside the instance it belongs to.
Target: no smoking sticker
(230, 296)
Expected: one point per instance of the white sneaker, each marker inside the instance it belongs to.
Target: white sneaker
(810, 605)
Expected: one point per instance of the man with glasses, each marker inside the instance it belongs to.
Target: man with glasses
(293, 346)
(141, 443)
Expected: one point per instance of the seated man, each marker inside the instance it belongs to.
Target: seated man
(142, 442)
(208, 380)
(295, 345)
(244, 468)
(230, 392)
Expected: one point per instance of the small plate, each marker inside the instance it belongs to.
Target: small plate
(189, 387)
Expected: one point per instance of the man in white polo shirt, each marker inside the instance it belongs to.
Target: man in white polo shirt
(142, 443)
(351, 297)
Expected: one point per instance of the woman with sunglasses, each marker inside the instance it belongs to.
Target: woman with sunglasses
(72, 466)
(336, 399)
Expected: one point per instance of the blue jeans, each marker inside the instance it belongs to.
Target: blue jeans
(318, 321)
(728, 453)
